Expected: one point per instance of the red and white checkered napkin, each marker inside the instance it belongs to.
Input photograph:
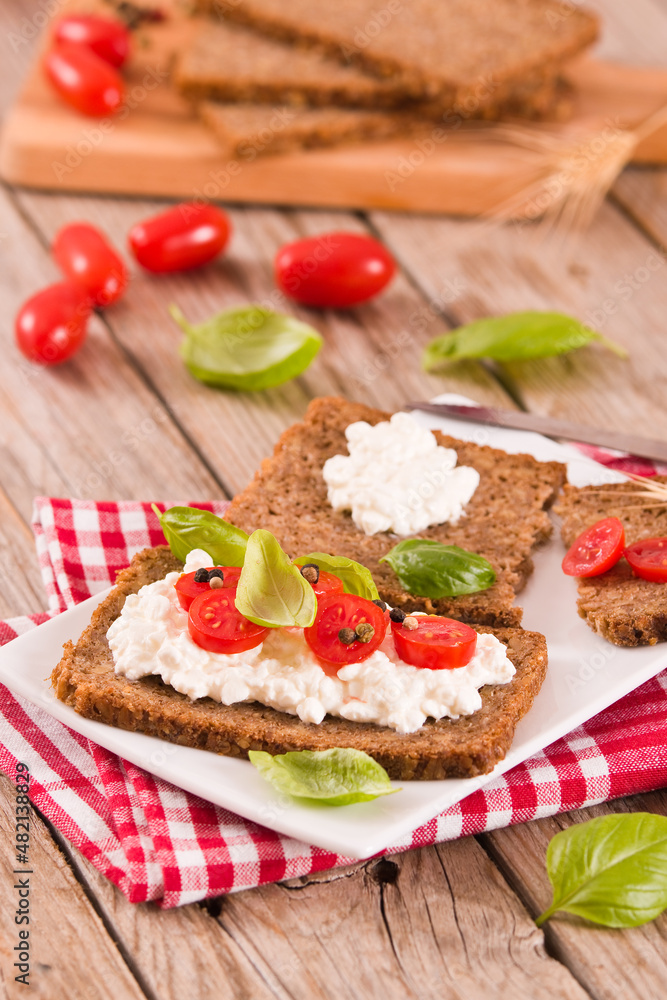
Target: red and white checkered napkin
(157, 842)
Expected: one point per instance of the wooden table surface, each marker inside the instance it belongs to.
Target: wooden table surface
(453, 921)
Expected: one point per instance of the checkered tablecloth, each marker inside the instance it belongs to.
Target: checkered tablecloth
(157, 842)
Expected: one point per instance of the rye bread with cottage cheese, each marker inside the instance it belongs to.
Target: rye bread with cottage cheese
(451, 748)
(617, 605)
(504, 521)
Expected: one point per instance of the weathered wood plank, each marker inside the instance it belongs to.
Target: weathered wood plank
(370, 353)
(608, 963)
(91, 428)
(438, 923)
(20, 582)
(71, 953)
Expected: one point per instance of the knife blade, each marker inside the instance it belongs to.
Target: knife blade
(634, 444)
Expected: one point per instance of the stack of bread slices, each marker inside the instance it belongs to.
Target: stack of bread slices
(269, 76)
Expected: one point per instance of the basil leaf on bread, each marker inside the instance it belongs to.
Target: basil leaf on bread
(430, 569)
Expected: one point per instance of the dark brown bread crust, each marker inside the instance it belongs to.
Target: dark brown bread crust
(619, 606)
(457, 52)
(504, 521)
(230, 64)
(465, 747)
(251, 130)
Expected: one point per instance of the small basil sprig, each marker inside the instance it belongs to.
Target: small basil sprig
(249, 348)
(430, 569)
(520, 336)
(355, 577)
(337, 777)
(187, 528)
(611, 870)
(271, 590)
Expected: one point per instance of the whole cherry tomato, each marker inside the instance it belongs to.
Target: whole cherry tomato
(336, 269)
(108, 39)
(184, 237)
(85, 81)
(596, 549)
(52, 324)
(83, 255)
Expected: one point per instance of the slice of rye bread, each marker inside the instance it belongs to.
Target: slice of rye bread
(624, 609)
(460, 748)
(469, 52)
(504, 520)
(252, 130)
(227, 63)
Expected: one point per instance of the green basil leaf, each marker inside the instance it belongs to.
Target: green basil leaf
(337, 777)
(356, 578)
(431, 569)
(271, 590)
(248, 348)
(611, 870)
(187, 528)
(520, 336)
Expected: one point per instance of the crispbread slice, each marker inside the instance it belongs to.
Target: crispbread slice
(251, 130)
(85, 679)
(624, 609)
(228, 63)
(503, 522)
(460, 52)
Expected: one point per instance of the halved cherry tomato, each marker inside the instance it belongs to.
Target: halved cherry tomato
(84, 80)
(186, 236)
(187, 587)
(108, 39)
(52, 325)
(436, 644)
(335, 269)
(83, 254)
(648, 559)
(215, 624)
(596, 550)
(338, 611)
(327, 584)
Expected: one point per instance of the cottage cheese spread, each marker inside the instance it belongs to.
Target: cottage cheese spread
(398, 478)
(151, 637)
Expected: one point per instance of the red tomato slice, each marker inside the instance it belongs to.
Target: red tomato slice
(83, 254)
(85, 81)
(215, 624)
(52, 324)
(187, 588)
(108, 39)
(648, 559)
(186, 236)
(327, 584)
(437, 643)
(335, 269)
(338, 611)
(596, 550)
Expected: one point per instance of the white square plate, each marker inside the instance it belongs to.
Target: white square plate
(586, 674)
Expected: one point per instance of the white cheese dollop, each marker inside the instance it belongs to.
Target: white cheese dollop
(398, 478)
(151, 637)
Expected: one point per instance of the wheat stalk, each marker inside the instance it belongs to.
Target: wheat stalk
(571, 174)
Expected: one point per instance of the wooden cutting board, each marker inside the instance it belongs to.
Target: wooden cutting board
(160, 148)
